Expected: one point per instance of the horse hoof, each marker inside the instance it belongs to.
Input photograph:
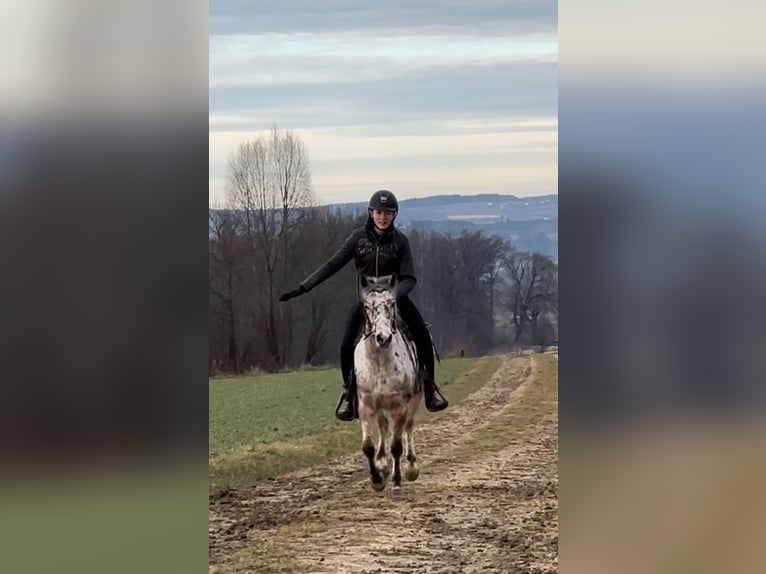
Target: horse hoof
(412, 473)
(378, 486)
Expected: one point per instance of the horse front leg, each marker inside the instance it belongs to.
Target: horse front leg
(367, 418)
(382, 461)
(397, 449)
(412, 471)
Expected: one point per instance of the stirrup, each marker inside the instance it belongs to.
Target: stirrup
(435, 400)
(345, 410)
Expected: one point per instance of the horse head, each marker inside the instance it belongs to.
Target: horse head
(379, 301)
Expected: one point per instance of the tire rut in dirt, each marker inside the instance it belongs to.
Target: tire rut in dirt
(247, 516)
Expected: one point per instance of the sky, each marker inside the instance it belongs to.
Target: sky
(422, 98)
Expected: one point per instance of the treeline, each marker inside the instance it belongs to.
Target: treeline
(477, 291)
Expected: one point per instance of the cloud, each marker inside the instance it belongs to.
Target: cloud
(479, 155)
(429, 97)
(428, 16)
(306, 59)
(514, 90)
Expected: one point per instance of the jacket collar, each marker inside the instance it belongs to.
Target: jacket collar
(389, 231)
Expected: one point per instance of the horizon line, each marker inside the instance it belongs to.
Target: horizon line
(321, 204)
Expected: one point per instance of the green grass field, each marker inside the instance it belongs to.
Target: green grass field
(267, 425)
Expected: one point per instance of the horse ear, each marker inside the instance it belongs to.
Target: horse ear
(392, 280)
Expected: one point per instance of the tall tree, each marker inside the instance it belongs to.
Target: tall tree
(268, 180)
(456, 282)
(224, 269)
(533, 288)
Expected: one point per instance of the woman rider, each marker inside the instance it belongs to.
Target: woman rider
(378, 249)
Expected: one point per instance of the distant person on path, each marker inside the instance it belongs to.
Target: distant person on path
(378, 249)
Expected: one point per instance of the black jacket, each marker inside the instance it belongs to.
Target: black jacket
(374, 256)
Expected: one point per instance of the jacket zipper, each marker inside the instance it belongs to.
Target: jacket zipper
(377, 250)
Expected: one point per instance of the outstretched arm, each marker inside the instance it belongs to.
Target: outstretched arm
(328, 269)
(334, 264)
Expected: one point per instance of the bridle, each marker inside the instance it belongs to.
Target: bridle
(394, 315)
(368, 320)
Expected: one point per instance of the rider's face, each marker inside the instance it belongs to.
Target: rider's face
(382, 219)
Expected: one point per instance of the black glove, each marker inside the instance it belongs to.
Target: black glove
(294, 293)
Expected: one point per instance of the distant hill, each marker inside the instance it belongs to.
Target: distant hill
(480, 209)
(531, 223)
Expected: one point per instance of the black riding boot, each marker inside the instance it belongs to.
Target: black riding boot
(435, 399)
(347, 409)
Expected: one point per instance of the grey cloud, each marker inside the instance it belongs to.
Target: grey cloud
(472, 16)
(440, 159)
(508, 90)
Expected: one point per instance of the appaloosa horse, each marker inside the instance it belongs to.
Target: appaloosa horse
(389, 389)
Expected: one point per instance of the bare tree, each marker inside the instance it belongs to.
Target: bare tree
(533, 288)
(456, 284)
(269, 180)
(224, 261)
(493, 280)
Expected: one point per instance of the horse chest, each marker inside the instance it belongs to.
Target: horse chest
(391, 371)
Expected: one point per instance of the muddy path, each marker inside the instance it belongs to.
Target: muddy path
(486, 499)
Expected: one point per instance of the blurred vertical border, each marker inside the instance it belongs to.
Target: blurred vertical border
(662, 178)
(103, 305)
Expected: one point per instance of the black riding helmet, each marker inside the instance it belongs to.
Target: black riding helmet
(383, 200)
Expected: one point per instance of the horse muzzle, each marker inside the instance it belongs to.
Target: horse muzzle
(383, 341)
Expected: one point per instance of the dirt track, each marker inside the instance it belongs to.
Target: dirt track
(486, 499)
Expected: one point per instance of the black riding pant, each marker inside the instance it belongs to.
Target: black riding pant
(415, 324)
